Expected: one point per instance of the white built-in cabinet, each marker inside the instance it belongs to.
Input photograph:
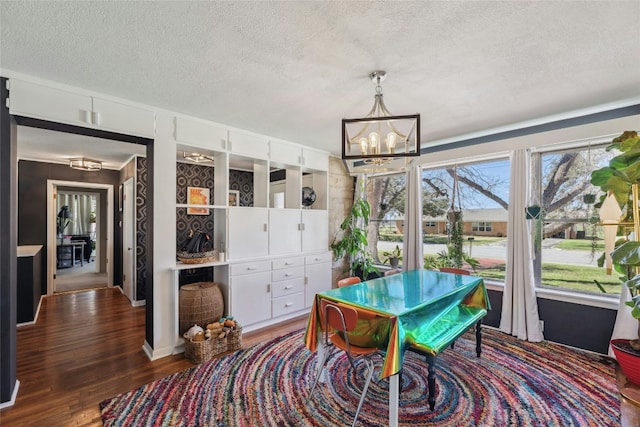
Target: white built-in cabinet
(46, 103)
(278, 257)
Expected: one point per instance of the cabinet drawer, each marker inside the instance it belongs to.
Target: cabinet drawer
(316, 259)
(287, 273)
(287, 287)
(287, 263)
(249, 267)
(287, 304)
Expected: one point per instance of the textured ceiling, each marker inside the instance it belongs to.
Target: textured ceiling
(293, 70)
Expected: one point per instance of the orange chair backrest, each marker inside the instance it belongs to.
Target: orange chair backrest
(455, 270)
(332, 312)
(348, 281)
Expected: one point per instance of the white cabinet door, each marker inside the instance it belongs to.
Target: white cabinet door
(315, 230)
(201, 134)
(251, 298)
(284, 231)
(282, 152)
(316, 160)
(56, 105)
(248, 233)
(121, 118)
(251, 145)
(42, 102)
(318, 277)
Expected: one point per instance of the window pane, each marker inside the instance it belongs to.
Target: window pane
(482, 194)
(386, 195)
(569, 240)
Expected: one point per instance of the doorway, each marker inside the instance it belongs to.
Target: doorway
(69, 235)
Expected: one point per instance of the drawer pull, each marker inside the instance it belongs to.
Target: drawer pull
(251, 268)
(288, 263)
(288, 287)
(289, 304)
(287, 274)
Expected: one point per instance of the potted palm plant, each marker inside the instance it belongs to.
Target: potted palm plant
(620, 179)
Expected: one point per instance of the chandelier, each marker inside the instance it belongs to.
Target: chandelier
(380, 137)
(85, 164)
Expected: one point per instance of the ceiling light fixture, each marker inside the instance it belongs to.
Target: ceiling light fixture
(197, 157)
(380, 136)
(84, 164)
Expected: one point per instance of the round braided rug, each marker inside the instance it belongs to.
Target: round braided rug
(513, 383)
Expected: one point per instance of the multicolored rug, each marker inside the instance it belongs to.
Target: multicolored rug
(514, 383)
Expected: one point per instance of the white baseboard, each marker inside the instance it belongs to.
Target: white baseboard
(35, 318)
(140, 303)
(14, 395)
(156, 354)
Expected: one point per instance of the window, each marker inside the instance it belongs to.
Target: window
(482, 195)
(481, 227)
(568, 240)
(386, 196)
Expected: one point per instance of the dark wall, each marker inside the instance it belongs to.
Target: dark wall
(32, 199)
(575, 325)
(8, 247)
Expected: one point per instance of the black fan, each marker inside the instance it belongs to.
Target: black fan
(308, 196)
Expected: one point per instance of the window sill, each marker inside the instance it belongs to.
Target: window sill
(609, 302)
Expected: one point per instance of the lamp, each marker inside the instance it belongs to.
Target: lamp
(380, 136)
(85, 164)
(197, 157)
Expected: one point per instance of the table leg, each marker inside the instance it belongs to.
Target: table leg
(479, 337)
(394, 388)
(81, 255)
(431, 380)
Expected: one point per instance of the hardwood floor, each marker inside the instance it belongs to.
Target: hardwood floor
(86, 347)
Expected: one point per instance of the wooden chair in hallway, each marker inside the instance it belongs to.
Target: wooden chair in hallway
(348, 281)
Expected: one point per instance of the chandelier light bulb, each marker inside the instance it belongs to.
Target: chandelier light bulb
(391, 142)
(374, 142)
(363, 145)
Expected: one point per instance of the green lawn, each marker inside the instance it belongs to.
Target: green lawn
(580, 245)
(578, 278)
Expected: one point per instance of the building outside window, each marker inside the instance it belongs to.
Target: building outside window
(481, 227)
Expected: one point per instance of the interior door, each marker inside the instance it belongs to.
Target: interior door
(128, 239)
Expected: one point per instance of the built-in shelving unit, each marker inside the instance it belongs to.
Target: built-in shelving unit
(276, 253)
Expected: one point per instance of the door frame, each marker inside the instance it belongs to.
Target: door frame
(52, 186)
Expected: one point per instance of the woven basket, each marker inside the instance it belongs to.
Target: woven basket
(196, 258)
(218, 345)
(199, 351)
(200, 304)
(234, 339)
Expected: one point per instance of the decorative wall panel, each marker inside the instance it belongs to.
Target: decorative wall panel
(141, 227)
(243, 182)
(190, 175)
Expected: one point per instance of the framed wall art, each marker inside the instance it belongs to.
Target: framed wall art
(197, 196)
(234, 198)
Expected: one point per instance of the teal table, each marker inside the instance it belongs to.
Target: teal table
(422, 310)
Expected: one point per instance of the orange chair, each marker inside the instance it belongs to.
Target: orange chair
(340, 320)
(392, 272)
(348, 281)
(455, 270)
